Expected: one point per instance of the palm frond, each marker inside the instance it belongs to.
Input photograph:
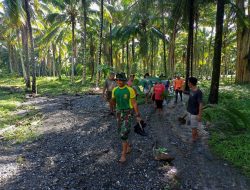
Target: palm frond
(232, 116)
(159, 34)
(244, 20)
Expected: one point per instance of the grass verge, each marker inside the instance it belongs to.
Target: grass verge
(230, 136)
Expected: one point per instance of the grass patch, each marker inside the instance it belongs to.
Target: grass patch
(233, 148)
(230, 136)
(54, 86)
(8, 104)
(25, 130)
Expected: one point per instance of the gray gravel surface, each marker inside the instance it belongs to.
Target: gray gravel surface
(78, 148)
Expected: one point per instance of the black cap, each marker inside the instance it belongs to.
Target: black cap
(121, 76)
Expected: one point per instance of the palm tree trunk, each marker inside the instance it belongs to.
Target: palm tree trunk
(127, 51)
(92, 54)
(196, 48)
(32, 53)
(10, 58)
(190, 43)
(164, 40)
(60, 64)
(21, 56)
(73, 22)
(243, 48)
(209, 53)
(152, 57)
(100, 46)
(214, 89)
(133, 50)
(54, 60)
(24, 30)
(84, 40)
(111, 45)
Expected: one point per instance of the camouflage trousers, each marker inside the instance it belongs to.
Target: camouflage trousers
(124, 123)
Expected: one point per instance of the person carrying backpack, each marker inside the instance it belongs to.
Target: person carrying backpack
(123, 97)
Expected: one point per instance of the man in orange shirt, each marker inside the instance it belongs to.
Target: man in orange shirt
(178, 83)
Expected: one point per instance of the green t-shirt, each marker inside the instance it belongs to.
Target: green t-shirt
(123, 97)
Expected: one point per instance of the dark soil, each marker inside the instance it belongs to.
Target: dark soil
(78, 148)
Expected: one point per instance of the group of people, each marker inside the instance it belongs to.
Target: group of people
(122, 100)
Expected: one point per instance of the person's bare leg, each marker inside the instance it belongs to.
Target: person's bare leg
(124, 152)
(194, 134)
(128, 148)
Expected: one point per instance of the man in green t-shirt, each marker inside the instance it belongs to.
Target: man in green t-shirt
(124, 98)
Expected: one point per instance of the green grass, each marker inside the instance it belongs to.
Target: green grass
(25, 131)
(230, 136)
(54, 86)
(233, 148)
(8, 104)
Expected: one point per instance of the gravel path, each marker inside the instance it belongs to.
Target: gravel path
(78, 148)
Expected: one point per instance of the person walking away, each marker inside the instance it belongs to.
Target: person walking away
(178, 83)
(124, 98)
(146, 87)
(167, 85)
(194, 107)
(109, 84)
(130, 83)
(167, 90)
(159, 89)
(131, 80)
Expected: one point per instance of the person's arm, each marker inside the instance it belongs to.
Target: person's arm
(104, 88)
(200, 107)
(135, 106)
(200, 112)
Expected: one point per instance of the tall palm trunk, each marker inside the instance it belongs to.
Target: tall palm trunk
(24, 30)
(21, 56)
(243, 48)
(190, 42)
(111, 41)
(84, 40)
(209, 54)
(133, 50)
(196, 48)
(164, 40)
(171, 51)
(60, 64)
(10, 58)
(111, 45)
(73, 23)
(214, 89)
(127, 51)
(152, 56)
(92, 55)
(54, 60)
(32, 53)
(100, 46)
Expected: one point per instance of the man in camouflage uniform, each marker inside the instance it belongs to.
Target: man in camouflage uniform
(124, 98)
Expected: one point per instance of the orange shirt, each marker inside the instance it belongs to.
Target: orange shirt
(178, 83)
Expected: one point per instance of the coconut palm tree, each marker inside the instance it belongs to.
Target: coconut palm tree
(68, 16)
(100, 44)
(16, 21)
(27, 9)
(84, 11)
